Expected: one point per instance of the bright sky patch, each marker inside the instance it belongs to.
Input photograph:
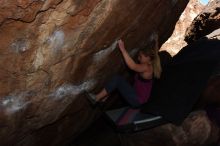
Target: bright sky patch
(204, 2)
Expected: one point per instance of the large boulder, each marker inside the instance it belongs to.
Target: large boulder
(53, 50)
(205, 23)
(176, 42)
(207, 26)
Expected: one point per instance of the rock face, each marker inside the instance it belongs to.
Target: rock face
(207, 21)
(53, 50)
(176, 41)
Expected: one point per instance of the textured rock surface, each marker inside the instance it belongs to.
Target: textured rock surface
(52, 50)
(207, 21)
(176, 42)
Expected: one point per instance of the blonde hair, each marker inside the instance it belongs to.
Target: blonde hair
(152, 52)
(157, 66)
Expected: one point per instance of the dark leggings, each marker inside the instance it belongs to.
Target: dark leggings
(125, 89)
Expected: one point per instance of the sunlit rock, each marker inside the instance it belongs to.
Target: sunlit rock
(207, 21)
(176, 42)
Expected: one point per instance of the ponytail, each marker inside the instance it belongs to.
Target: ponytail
(156, 61)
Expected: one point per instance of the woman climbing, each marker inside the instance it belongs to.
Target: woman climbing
(147, 67)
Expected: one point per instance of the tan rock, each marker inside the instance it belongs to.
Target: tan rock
(207, 21)
(176, 42)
